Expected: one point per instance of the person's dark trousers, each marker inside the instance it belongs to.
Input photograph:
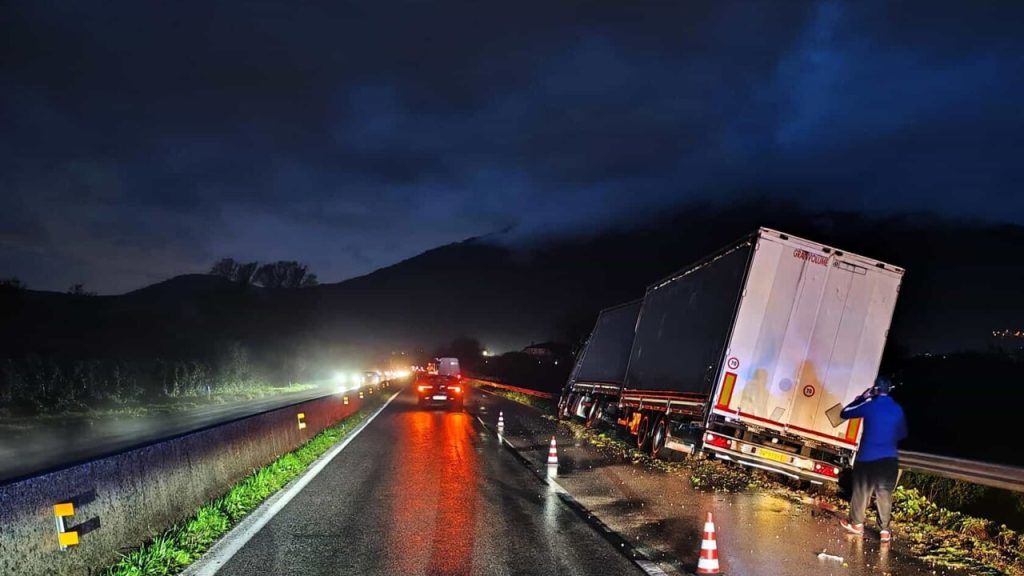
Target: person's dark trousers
(878, 477)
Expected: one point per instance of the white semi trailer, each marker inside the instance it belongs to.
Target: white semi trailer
(749, 353)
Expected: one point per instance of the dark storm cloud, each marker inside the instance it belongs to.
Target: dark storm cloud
(144, 140)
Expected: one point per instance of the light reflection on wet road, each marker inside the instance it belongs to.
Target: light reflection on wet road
(426, 492)
(436, 497)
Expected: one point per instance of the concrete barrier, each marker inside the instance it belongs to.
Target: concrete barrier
(125, 499)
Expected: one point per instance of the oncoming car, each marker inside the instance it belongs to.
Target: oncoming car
(435, 390)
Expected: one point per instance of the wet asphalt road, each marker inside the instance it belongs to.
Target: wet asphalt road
(55, 442)
(758, 533)
(427, 492)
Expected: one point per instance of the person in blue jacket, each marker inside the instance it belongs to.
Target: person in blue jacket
(877, 465)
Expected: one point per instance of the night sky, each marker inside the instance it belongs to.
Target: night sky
(140, 140)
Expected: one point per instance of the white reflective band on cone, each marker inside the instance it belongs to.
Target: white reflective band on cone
(709, 545)
(709, 527)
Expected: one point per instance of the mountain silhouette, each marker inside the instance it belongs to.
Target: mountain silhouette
(963, 281)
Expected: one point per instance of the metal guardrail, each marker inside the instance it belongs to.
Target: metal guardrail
(983, 473)
(995, 475)
(527, 391)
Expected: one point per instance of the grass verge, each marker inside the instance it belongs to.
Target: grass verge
(542, 404)
(172, 551)
(947, 538)
(937, 535)
(165, 405)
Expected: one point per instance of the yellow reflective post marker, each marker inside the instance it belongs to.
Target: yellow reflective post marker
(64, 509)
(65, 539)
(346, 400)
(302, 420)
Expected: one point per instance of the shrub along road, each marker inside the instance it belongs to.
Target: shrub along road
(52, 442)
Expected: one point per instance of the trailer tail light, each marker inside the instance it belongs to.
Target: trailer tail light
(827, 470)
(717, 441)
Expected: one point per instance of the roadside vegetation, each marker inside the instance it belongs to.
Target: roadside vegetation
(542, 404)
(953, 539)
(924, 507)
(36, 386)
(175, 549)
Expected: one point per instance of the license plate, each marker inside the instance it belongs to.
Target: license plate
(773, 455)
(440, 397)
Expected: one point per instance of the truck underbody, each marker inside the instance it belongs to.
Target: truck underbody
(678, 423)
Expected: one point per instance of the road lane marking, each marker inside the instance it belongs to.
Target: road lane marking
(239, 536)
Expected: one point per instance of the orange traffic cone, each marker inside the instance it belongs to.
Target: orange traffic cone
(553, 453)
(708, 562)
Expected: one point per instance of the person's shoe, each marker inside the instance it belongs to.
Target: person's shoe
(886, 536)
(857, 529)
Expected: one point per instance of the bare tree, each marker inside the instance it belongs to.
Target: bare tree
(284, 274)
(226, 268)
(79, 290)
(246, 273)
(12, 284)
(281, 274)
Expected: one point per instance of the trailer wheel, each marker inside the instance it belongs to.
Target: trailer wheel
(643, 434)
(595, 413)
(658, 436)
(563, 409)
(578, 406)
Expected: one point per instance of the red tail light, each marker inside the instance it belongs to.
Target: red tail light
(717, 441)
(456, 389)
(424, 388)
(827, 470)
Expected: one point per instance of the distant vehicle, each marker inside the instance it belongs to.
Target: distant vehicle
(436, 389)
(448, 367)
(749, 354)
(371, 378)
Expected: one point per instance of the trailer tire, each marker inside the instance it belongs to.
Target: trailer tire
(658, 436)
(643, 433)
(563, 409)
(595, 413)
(578, 406)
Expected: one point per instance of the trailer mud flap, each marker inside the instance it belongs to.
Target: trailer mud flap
(677, 446)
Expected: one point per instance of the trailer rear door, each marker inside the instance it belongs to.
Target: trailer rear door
(809, 336)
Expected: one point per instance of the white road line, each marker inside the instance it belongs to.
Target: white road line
(233, 541)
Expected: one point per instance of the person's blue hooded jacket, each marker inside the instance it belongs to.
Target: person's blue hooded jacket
(884, 426)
